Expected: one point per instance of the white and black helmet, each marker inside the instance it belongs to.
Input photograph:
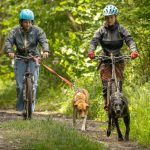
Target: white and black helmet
(110, 10)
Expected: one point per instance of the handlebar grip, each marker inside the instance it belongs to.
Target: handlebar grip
(103, 57)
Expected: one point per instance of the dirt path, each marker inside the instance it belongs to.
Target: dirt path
(94, 129)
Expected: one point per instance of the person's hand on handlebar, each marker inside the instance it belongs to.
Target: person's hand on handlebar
(11, 55)
(91, 54)
(45, 55)
(134, 54)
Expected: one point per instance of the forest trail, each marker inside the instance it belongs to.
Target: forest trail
(95, 129)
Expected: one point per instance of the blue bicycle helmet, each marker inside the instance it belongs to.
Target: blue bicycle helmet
(26, 14)
(110, 10)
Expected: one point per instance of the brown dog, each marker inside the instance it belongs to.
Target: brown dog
(81, 105)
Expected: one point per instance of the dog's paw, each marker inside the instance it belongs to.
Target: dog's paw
(108, 133)
(83, 128)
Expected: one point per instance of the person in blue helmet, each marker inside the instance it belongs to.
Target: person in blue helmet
(26, 38)
(111, 36)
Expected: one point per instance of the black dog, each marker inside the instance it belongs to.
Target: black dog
(118, 108)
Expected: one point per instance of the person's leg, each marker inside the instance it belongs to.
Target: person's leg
(119, 73)
(120, 86)
(35, 71)
(105, 75)
(104, 84)
(19, 73)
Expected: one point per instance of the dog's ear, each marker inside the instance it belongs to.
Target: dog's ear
(76, 103)
(123, 102)
(87, 105)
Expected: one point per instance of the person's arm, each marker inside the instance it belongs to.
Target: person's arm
(43, 42)
(94, 42)
(130, 42)
(8, 47)
(96, 38)
(128, 39)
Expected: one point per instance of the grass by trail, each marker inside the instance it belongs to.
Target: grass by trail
(47, 135)
(139, 105)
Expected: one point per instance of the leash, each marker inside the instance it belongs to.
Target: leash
(55, 73)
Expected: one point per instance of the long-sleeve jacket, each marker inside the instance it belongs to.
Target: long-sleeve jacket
(26, 42)
(112, 39)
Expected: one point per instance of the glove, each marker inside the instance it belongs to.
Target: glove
(91, 54)
(134, 54)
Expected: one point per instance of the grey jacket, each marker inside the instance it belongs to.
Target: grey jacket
(112, 39)
(26, 42)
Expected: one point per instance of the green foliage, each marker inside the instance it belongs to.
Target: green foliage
(47, 134)
(6, 69)
(7, 94)
(70, 25)
(139, 106)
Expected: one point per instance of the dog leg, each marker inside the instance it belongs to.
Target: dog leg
(120, 137)
(127, 124)
(84, 123)
(74, 116)
(112, 125)
(109, 125)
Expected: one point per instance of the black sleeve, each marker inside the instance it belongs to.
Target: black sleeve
(96, 38)
(128, 38)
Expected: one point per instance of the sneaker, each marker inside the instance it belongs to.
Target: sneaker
(18, 113)
(24, 114)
